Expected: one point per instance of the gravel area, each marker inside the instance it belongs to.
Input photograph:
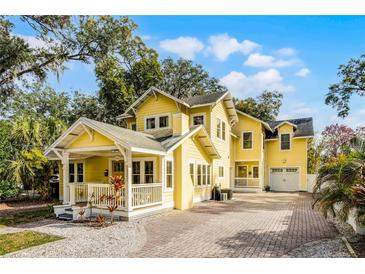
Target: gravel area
(331, 248)
(84, 241)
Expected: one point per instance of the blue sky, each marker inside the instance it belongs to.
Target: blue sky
(298, 55)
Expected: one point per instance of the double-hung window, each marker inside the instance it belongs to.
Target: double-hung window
(208, 175)
(220, 171)
(76, 172)
(285, 141)
(151, 123)
(192, 174)
(163, 121)
(204, 173)
(247, 140)
(199, 174)
(255, 172)
(71, 172)
(169, 174)
(148, 172)
(221, 129)
(136, 172)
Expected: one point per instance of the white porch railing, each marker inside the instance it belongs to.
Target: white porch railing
(146, 195)
(246, 182)
(142, 195)
(101, 191)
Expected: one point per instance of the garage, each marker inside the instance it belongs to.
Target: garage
(284, 179)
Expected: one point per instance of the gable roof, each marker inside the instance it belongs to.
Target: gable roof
(266, 125)
(126, 137)
(133, 140)
(206, 99)
(192, 102)
(304, 127)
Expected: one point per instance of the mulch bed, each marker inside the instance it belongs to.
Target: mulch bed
(9, 208)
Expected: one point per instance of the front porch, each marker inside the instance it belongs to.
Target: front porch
(248, 176)
(89, 155)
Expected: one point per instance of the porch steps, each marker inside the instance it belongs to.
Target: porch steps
(69, 209)
(65, 217)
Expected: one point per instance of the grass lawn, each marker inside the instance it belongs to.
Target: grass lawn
(16, 241)
(25, 217)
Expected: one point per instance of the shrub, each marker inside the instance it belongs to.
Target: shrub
(8, 190)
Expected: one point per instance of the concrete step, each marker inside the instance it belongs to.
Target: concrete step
(65, 216)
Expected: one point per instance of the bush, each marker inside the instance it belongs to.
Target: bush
(8, 190)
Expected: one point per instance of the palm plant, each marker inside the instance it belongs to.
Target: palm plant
(339, 182)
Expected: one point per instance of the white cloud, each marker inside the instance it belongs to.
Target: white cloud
(33, 41)
(185, 47)
(222, 46)
(304, 72)
(286, 52)
(267, 61)
(242, 85)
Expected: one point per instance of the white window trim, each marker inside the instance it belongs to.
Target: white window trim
(221, 121)
(157, 121)
(251, 140)
(252, 167)
(194, 182)
(169, 189)
(219, 166)
(142, 161)
(75, 162)
(202, 163)
(290, 141)
(198, 114)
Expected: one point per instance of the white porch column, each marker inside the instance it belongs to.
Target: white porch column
(65, 168)
(261, 174)
(128, 185)
(72, 194)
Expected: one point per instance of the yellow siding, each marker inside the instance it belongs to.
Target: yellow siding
(296, 157)
(223, 147)
(84, 141)
(154, 106)
(94, 169)
(204, 110)
(247, 124)
(129, 122)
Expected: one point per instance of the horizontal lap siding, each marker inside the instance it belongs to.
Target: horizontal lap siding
(155, 106)
(94, 169)
(223, 147)
(296, 157)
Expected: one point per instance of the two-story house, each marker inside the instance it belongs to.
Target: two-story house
(174, 151)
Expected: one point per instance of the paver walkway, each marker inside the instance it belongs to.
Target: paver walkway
(251, 225)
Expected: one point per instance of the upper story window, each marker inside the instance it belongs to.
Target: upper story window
(133, 126)
(221, 171)
(247, 140)
(198, 119)
(164, 121)
(151, 123)
(285, 141)
(169, 174)
(221, 129)
(157, 122)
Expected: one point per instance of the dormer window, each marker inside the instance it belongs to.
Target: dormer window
(285, 141)
(198, 120)
(151, 123)
(157, 122)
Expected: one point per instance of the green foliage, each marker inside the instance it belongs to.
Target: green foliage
(183, 79)
(8, 189)
(336, 182)
(352, 82)
(265, 107)
(314, 157)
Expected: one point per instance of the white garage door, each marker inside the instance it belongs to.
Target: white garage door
(284, 179)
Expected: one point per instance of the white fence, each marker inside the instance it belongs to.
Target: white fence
(146, 195)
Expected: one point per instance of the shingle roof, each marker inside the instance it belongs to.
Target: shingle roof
(204, 99)
(172, 140)
(133, 138)
(304, 127)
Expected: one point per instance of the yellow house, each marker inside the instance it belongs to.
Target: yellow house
(173, 152)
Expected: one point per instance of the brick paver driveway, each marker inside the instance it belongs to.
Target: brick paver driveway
(251, 225)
